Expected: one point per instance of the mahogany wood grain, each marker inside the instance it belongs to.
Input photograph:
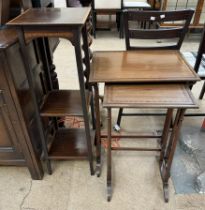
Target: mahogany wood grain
(141, 66)
(63, 102)
(52, 16)
(69, 144)
(7, 37)
(148, 96)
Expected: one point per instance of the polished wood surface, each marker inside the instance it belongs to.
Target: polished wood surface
(63, 102)
(141, 66)
(19, 139)
(7, 37)
(49, 22)
(148, 95)
(52, 16)
(69, 144)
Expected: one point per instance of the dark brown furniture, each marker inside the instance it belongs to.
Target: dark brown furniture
(19, 138)
(157, 96)
(154, 19)
(201, 52)
(107, 9)
(139, 67)
(4, 11)
(64, 23)
(20, 142)
(144, 65)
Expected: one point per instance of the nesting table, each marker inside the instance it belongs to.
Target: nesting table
(143, 79)
(68, 23)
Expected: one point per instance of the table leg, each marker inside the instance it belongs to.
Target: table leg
(168, 158)
(36, 107)
(165, 134)
(109, 157)
(78, 55)
(98, 135)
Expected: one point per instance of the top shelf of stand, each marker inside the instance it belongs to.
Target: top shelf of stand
(51, 17)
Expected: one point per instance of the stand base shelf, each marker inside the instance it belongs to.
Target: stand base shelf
(70, 144)
(64, 103)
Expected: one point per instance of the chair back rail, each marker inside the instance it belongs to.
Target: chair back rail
(160, 32)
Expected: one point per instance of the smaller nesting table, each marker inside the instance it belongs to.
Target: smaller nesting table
(169, 96)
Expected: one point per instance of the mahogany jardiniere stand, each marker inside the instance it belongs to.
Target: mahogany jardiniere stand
(63, 23)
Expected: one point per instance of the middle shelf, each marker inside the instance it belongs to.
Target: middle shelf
(60, 103)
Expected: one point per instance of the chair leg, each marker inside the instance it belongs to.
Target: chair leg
(119, 117)
(109, 158)
(202, 92)
(94, 19)
(118, 21)
(98, 135)
(121, 26)
(92, 112)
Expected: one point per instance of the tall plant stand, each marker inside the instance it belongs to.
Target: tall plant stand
(68, 23)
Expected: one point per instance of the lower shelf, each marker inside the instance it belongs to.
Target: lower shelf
(70, 144)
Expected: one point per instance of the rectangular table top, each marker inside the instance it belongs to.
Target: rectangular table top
(148, 96)
(141, 66)
(52, 16)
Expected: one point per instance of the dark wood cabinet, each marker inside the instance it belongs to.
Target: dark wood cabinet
(18, 144)
(19, 135)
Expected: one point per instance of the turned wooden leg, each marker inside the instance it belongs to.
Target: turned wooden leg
(98, 138)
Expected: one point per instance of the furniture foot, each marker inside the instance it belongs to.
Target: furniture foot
(98, 170)
(166, 192)
(48, 162)
(109, 192)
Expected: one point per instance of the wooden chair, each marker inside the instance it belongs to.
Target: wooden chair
(157, 18)
(201, 52)
(106, 7)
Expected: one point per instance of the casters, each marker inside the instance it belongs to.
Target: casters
(166, 192)
(116, 127)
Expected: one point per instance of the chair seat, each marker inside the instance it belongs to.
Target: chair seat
(136, 4)
(148, 96)
(107, 4)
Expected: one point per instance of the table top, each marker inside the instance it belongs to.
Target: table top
(148, 96)
(52, 16)
(141, 66)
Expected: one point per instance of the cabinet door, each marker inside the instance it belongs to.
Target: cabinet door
(10, 152)
(10, 149)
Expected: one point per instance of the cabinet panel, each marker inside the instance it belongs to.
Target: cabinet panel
(10, 148)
